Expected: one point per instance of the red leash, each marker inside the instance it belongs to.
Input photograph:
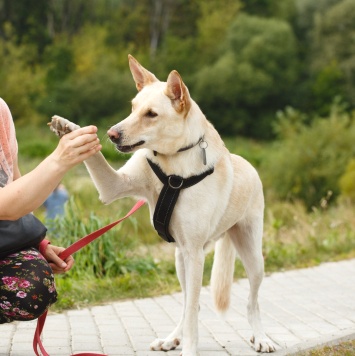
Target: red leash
(76, 246)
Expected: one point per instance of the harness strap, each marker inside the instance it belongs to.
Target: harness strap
(163, 211)
(172, 185)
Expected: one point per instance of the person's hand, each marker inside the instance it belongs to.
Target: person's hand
(57, 264)
(77, 146)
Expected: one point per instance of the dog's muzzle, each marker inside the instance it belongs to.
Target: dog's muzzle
(116, 138)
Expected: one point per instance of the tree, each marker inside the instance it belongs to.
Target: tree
(159, 22)
(196, 32)
(252, 79)
(333, 38)
(21, 84)
(213, 24)
(84, 80)
(29, 26)
(284, 9)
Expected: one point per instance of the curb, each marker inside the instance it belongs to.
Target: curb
(303, 347)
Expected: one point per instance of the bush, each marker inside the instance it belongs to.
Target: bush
(107, 256)
(347, 181)
(37, 149)
(101, 96)
(308, 159)
(251, 79)
(295, 237)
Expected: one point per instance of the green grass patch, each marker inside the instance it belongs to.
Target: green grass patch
(345, 348)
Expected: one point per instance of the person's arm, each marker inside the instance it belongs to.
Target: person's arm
(28, 192)
(17, 173)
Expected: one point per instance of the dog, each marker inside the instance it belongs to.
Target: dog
(223, 206)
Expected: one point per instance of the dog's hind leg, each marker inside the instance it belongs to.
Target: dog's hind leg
(247, 238)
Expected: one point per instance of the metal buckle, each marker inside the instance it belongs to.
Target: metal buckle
(171, 186)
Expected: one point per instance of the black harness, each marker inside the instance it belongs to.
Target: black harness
(168, 197)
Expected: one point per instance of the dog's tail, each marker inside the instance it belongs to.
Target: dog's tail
(222, 273)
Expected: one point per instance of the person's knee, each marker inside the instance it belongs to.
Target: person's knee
(28, 295)
(29, 306)
(42, 299)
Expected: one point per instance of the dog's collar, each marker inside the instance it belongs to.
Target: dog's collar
(192, 145)
(203, 145)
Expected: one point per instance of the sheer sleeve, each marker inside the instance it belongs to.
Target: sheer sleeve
(8, 145)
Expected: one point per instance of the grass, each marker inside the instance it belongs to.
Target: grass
(295, 238)
(345, 348)
(131, 261)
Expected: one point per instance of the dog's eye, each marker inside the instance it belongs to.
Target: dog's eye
(151, 114)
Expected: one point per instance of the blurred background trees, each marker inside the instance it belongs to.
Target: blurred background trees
(257, 56)
(248, 64)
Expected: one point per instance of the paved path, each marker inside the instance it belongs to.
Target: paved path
(299, 308)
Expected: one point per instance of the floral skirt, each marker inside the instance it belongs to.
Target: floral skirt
(27, 287)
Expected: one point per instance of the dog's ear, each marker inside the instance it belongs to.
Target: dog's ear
(141, 76)
(177, 91)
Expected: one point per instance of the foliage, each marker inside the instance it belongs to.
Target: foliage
(308, 159)
(347, 181)
(327, 85)
(332, 46)
(247, 76)
(213, 25)
(269, 8)
(252, 150)
(20, 83)
(108, 256)
(294, 236)
(242, 60)
(339, 348)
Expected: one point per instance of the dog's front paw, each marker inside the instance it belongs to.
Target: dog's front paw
(263, 344)
(61, 126)
(164, 344)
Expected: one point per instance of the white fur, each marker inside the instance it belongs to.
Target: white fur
(227, 206)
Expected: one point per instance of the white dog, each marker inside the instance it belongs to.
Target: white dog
(206, 195)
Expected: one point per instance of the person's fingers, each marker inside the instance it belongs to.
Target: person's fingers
(52, 257)
(81, 154)
(87, 146)
(70, 263)
(82, 131)
(57, 264)
(55, 269)
(78, 149)
(79, 141)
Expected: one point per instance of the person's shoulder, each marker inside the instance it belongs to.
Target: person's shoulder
(3, 106)
(2, 102)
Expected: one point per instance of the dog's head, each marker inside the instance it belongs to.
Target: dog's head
(159, 113)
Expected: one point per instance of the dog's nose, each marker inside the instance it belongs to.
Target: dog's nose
(114, 135)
